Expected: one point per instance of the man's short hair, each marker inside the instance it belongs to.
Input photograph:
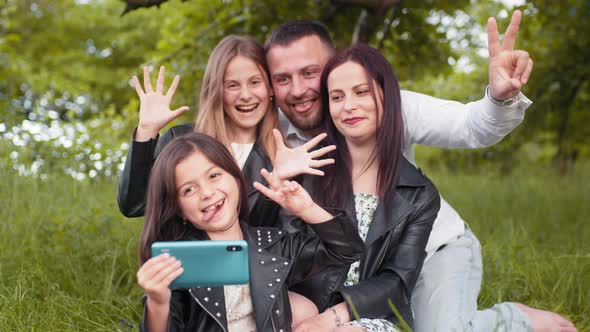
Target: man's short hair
(291, 31)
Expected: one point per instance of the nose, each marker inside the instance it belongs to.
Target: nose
(349, 104)
(245, 93)
(207, 191)
(298, 87)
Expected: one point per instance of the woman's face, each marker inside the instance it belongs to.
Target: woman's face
(246, 92)
(352, 107)
(208, 195)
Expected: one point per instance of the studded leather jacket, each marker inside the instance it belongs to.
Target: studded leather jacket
(142, 155)
(277, 260)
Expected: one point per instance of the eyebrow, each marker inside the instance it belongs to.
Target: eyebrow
(354, 87)
(186, 182)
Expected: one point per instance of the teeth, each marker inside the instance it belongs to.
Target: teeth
(214, 206)
(246, 108)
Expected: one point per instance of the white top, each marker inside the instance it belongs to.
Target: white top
(241, 152)
(447, 124)
(239, 308)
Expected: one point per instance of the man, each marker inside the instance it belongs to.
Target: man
(445, 296)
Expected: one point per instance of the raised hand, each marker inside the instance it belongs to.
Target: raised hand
(292, 196)
(292, 162)
(155, 276)
(154, 109)
(509, 69)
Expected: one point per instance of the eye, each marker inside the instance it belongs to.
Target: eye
(335, 98)
(255, 82)
(282, 80)
(362, 92)
(231, 86)
(309, 73)
(215, 175)
(188, 190)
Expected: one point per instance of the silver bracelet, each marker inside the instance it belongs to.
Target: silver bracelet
(337, 319)
(500, 102)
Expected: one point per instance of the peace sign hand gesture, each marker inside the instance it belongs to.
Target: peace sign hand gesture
(154, 109)
(509, 69)
(291, 196)
(292, 162)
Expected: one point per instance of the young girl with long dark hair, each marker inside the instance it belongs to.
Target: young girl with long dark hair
(197, 192)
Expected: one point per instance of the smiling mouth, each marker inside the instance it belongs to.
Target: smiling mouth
(212, 210)
(351, 121)
(246, 108)
(303, 106)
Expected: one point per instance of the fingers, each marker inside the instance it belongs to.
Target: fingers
(321, 162)
(153, 265)
(178, 112)
(161, 78)
(273, 182)
(146, 80)
(137, 87)
(166, 271)
(314, 171)
(314, 141)
(493, 38)
(320, 152)
(522, 61)
(527, 73)
(275, 196)
(173, 87)
(278, 138)
(512, 31)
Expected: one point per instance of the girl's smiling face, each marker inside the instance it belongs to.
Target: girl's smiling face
(246, 93)
(208, 195)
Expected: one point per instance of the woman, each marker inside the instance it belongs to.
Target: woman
(235, 107)
(394, 203)
(197, 192)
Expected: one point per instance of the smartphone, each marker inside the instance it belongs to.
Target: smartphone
(207, 263)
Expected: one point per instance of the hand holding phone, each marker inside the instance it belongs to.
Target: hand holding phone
(156, 274)
(207, 263)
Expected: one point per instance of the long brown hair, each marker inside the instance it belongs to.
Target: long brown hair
(212, 119)
(336, 186)
(162, 211)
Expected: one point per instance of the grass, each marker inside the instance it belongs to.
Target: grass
(68, 258)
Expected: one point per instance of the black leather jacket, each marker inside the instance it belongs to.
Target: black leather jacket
(277, 259)
(142, 155)
(393, 258)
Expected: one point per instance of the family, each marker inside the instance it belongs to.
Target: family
(306, 153)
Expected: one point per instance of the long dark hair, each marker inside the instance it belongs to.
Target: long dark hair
(162, 211)
(335, 188)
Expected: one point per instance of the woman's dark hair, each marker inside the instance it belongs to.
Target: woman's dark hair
(162, 212)
(335, 188)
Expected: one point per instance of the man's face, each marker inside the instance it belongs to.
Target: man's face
(295, 72)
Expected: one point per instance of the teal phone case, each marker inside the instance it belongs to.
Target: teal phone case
(208, 263)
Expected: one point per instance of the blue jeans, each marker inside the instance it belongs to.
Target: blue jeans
(445, 296)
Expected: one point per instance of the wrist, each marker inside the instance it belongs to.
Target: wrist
(145, 133)
(336, 317)
(498, 101)
(314, 214)
(157, 304)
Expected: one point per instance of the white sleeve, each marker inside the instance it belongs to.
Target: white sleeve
(450, 124)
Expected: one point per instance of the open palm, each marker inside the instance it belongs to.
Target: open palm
(290, 162)
(154, 109)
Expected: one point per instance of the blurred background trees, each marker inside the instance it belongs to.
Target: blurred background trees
(66, 104)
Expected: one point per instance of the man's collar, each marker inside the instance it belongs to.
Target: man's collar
(289, 130)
